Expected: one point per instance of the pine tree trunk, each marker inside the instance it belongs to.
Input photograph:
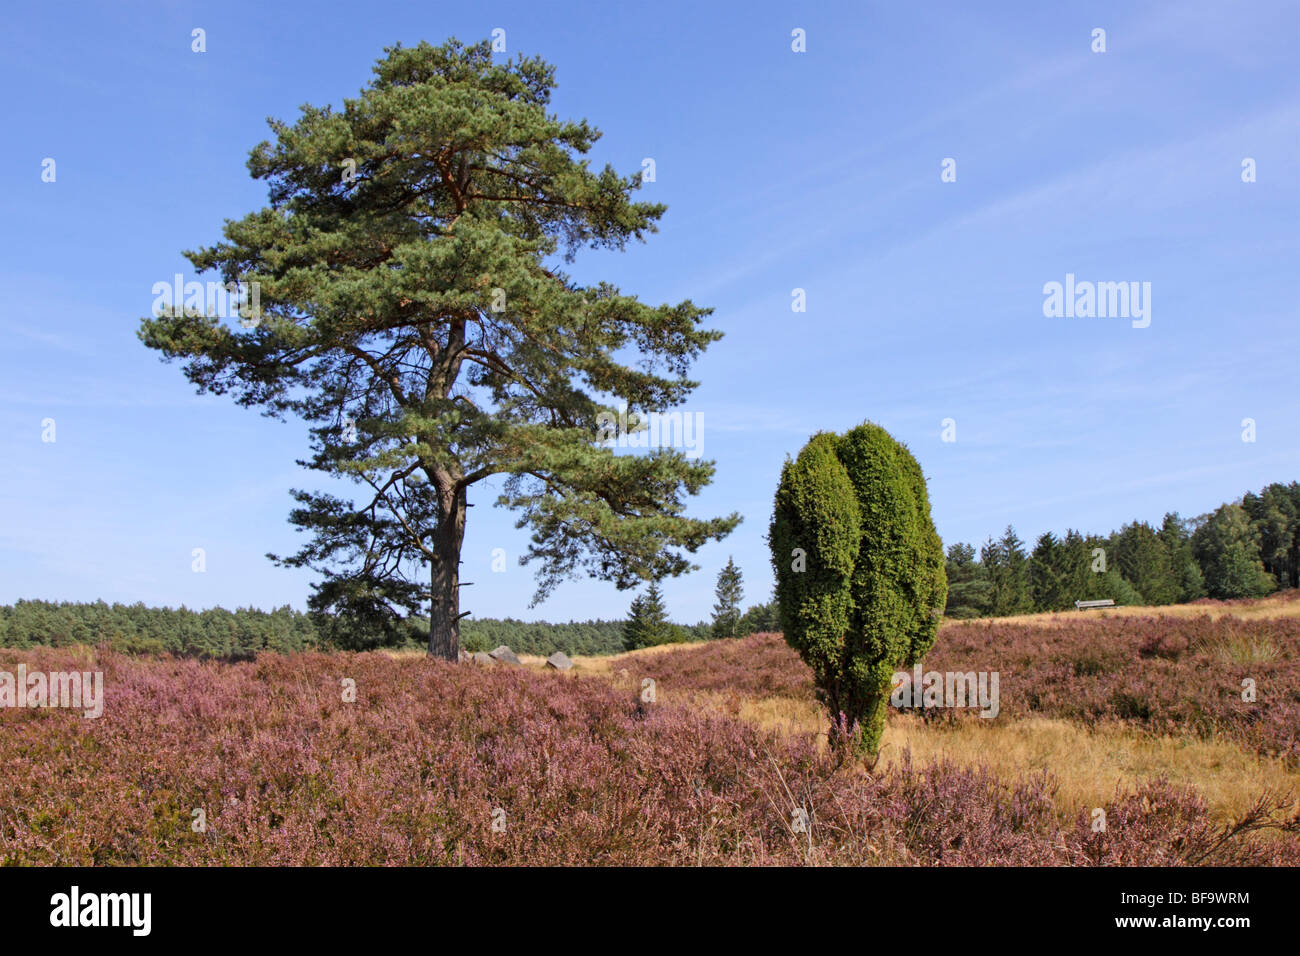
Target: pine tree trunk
(444, 615)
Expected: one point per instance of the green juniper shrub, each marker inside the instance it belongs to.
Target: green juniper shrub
(860, 570)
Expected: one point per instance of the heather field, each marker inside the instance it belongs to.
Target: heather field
(1164, 674)
(269, 762)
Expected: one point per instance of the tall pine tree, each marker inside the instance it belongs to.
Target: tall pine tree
(414, 312)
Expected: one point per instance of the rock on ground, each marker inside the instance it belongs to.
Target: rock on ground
(560, 661)
(506, 656)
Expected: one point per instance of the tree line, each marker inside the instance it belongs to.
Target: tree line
(137, 629)
(1242, 549)
(1246, 548)
(246, 632)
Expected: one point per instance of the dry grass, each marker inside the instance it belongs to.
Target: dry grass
(1235, 647)
(1088, 765)
(1275, 606)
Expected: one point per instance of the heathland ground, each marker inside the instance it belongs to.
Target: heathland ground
(1121, 738)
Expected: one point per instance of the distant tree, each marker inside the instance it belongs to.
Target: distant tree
(968, 583)
(1293, 560)
(1100, 576)
(859, 570)
(245, 632)
(1047, 574)
(1227, 548)
(1222, 554)
(760, 619)
(700, 631)
(412, 313)
(1143, 560)
(634, 628)
(1182, 563)
(1275, 517)
(647, 624)
(1111, 584)
(1074, 561)
(991, 561)
(1008, 572)
(728, 593)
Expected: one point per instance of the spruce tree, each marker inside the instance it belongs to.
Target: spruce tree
(968, 584)
(1143, 560)
(1047, 578)
(728, 593)
(415, 312)
(1075, 561)
(634, 628)
(1008, 572)
(647, 624)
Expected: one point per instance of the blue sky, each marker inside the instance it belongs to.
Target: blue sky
(781, 170)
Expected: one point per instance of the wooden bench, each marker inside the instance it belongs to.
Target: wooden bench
(1085, 605)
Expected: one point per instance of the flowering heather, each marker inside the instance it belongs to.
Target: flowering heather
(1168, 675)
(761, 665)
(440, 763)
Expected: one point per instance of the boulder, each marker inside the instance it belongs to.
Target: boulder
(506, 656)
(464, 656)
(481, 658)
(560, 661)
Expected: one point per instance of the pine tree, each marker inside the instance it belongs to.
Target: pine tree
(729, 594)
(411, 312)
